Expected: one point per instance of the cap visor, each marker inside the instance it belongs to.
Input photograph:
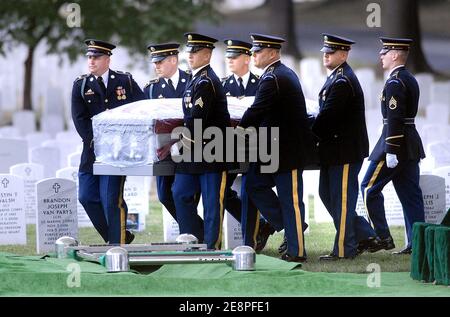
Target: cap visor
(156, 59)
(232, 54)
(327, 50)
(91, 53)
(256, 48)
(193, 48)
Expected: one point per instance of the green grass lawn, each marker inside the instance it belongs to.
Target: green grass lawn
(318, 242)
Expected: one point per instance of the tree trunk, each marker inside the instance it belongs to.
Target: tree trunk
(281, 21)
(27, 90)
(401, 18)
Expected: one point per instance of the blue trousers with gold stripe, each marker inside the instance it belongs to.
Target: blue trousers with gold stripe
(164, 189)
(338, 190)
(102, 198)
(285, 210)
(405, 178)
(250, 216)
(212, 187)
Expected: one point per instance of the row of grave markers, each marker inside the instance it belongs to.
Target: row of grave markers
(53, 206)
(57, 211)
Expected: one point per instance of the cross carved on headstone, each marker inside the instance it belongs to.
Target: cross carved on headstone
(5, 182)
(56, 187)
(28, 171)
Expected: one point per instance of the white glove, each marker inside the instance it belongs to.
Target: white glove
(391, 160)
(175, 149)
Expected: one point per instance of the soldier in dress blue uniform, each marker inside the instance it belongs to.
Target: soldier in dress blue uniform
(170, 83)
(203, 101)
(171, 80)
(242, 82)
(343, 144)
(100, 90)
(279, 103)
(397, 154)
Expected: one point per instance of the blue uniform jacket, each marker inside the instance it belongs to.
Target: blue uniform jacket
(203, 99)
(279, 102)
(399, 105)
(341, 124)
(88, 100)
(158, 88)
(231, 87)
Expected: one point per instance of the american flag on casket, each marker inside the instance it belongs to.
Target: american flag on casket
(135, 134)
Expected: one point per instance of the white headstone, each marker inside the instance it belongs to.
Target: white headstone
(12, 152)
(71, 136)
(171, 230)
(13, 229)
(425, 82)
(54, 101)
(48, 157)
(52, 124)
(137, 197)
(433, 191)
(366, 77)
(438, 113)
(376, 89)
(65, 147)
(57, 212)
(444, 172)
(71, 173)
(74, 159)
(432, 133)
(37, 138)
(290, 62)
(24, 121)
(232, 227)
(30, 173)
(9, 132)
(440, 93)
(440, 152)
(311, 77)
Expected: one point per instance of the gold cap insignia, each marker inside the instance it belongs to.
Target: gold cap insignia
(252, 38)
(230, 42)
(325, 38)
(189, 37)
(152, 49)
(92, 43)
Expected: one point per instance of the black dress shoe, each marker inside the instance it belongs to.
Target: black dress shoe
(290, 258)
(129, 237)
(386, 244)
(264, 232)
(332, 257)
(407, 250)
(328, 257)
(283, 246)
(366, 245)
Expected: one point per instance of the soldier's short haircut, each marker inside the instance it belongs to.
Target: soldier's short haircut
(403, 54)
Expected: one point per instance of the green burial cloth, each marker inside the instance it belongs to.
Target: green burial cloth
(442, 255)
(422, 254)
(37, 276)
